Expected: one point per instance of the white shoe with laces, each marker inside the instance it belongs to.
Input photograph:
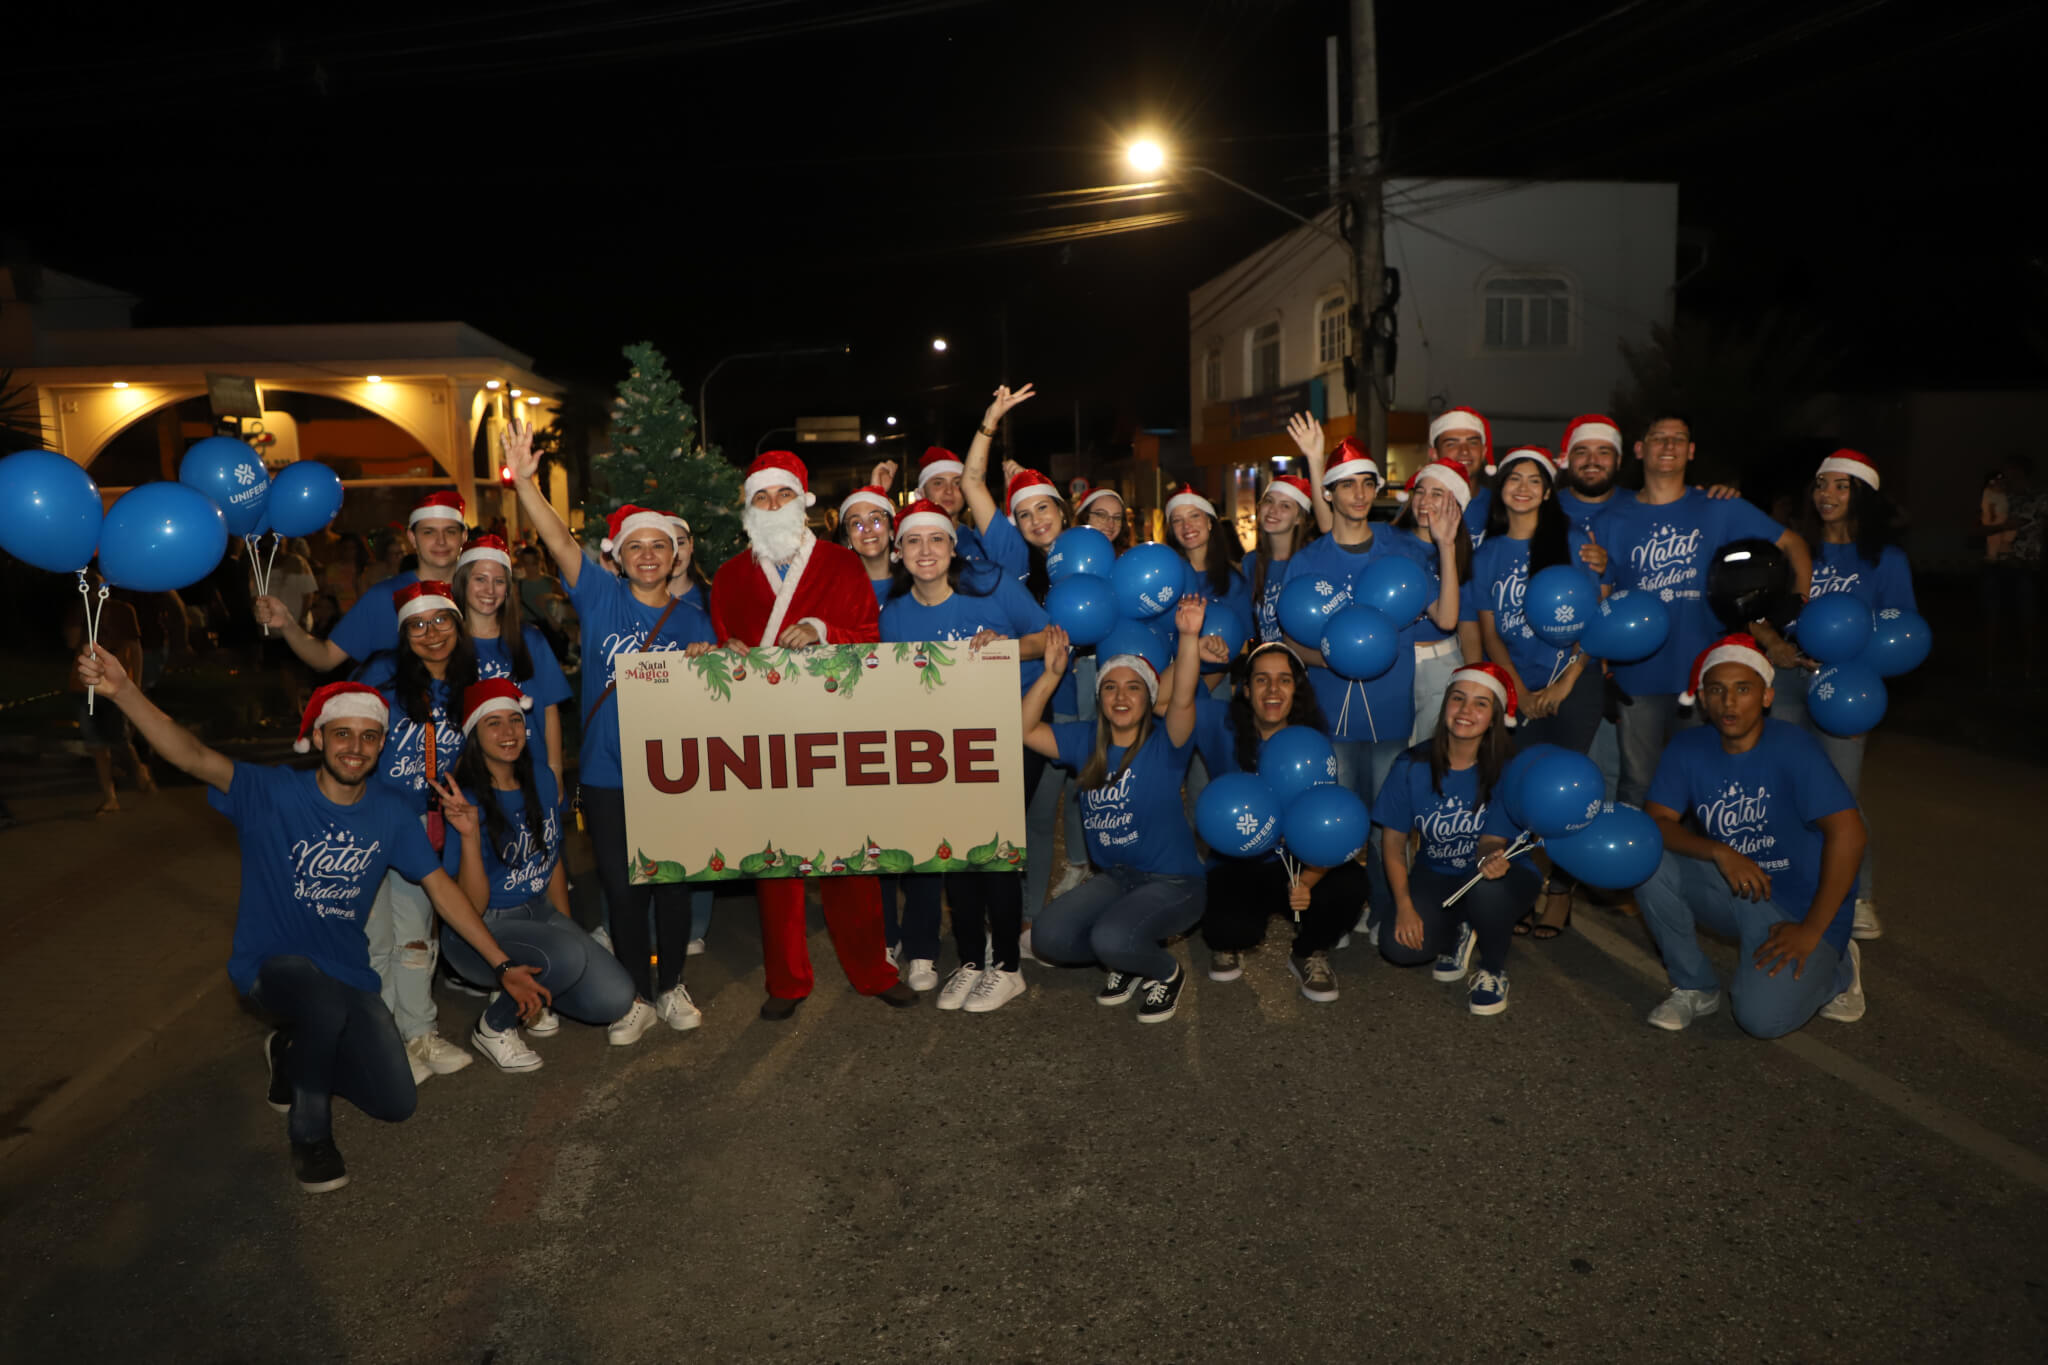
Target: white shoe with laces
(995, 990)
(923, 975)
(1848, 1007)
(421, 1072)
(629, 1027)
(1682, 1006)
(507, 1051)
(677, 1009)
(545, 1024)
(442, 1057)
(1867, 924)
(959, 986)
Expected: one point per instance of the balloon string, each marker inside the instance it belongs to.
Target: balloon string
(93, 612)
(1370, 723)
(1293, 876)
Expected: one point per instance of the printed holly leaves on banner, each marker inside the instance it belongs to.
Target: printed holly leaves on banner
(646, 870)
(715, 669)
(996, 850)
(840, 667)
(942, 860)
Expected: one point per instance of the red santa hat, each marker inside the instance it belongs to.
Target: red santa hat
(625, 520)
(443, 506)
(1094, 495)
(479, 699)
(1029, 483)
(423, 596)
(339, 701)
(1854, 463)
(1539, 454)
(488, 547)
(1448, 473)
(925, 515)
(1591, 426)
(779, 469)
(937, 461)
(1494, 679)
(1138, 664)
(1351, 462)
(1464, 419)
(1729, 649)
(1188, 497)
(1292, 486)
(870, 495)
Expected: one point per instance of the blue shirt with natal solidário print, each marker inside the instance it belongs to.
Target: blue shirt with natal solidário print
(1765, 804)
(311, 868)
(402, 767)
(1266, 606)
(1500, 583)
(1585, 516)
(1381, 708)
(1665, 549)
(522, 868)
(1448, 823)
(548, 686)
(615, 622)
(1887, 583)
(371, 625)
(1007, 609)
(1136, 820)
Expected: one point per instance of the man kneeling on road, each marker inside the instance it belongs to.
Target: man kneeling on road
(1761, 845)
(315, 846)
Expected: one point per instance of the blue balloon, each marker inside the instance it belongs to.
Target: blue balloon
(1899, 641)
(230, 473)
(1325, 826)
(1306, 602)
(1295, 758)
(1360, 643)
(1231, 626)
(50, 510)
(1508, 791)
(160, 537)
(1134, 637)
(1560, 793)
(1834, 628)
(1079, 549)
(1148, 580)
(1560, 602)
(1846, 699)
(1620, 849)
(1630, 625)
(1238, 815)
(1397, 586)
(1084, 606)
(304, 497)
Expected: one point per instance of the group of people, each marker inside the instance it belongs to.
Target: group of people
(431, 827)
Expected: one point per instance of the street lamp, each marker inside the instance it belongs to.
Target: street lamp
(1146, 155)
(1149, 157)
(938, 343)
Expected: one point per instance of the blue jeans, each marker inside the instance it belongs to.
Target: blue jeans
(700, 912)
(912, 905)
(1121, 918)
(337, 1041)
(1041, 814)
(1363, 764)
(586, 981)
(1687, 895)
(1491, 908)
(1647, 724)
(1845, 754)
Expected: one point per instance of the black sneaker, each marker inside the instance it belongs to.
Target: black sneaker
(280, 1096)
(318, 1166)
(1117, 987)
(1160, 998)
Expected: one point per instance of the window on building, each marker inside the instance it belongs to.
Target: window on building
(1528, 313)
(1333, 340)
(1212, 374)
(1265, 358)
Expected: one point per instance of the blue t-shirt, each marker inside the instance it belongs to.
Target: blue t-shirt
(1007, 609)
(1475, 515)
(548, 686)
(1195, 583)
(1428, 632)
(967, 542)
(1005, 547)
(1383, 708)
(311, 868)
(1500, 581)
(1266, 610)
(1887, 583)
(1585, 516)
(1449, 822)
(881, 587)
(1665, 549)
(403, 765)
(520, 869)
(1764, 804)
(1137, 820)
(372, 623)
(615, 622)
(1215, 736)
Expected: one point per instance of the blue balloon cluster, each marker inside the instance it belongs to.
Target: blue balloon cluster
(1293, 798)
(1860, 649)
(1079, 549)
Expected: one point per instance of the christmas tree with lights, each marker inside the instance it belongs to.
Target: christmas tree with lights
(655, 461)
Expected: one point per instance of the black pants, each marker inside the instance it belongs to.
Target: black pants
(1245, 892)
(1575, 722)
(1491, 908)
(338, 1040)
(988, 917)
(604, 810)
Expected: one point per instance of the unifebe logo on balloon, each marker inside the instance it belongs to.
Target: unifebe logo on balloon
(330, 870)
(1739, 817)
(1255, 832)
(1668, 561)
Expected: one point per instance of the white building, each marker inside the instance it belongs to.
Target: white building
(1515, 298)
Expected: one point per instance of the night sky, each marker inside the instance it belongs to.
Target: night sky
(746, 174)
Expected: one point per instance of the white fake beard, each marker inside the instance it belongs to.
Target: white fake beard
(775, 536)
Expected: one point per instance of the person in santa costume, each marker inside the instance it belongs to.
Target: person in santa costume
(792, 590)
(315, 847)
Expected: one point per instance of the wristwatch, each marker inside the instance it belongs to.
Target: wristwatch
(503, 967)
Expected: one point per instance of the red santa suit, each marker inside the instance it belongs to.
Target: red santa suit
(825, 587)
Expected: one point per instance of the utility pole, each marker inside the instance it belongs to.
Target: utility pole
(1368, 239)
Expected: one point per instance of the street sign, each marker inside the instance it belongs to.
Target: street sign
(828, 430)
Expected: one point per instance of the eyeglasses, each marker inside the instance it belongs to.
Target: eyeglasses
(420, 625)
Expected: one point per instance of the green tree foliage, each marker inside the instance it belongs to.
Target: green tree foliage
(655, 461)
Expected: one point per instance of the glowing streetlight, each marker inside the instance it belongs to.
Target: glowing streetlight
(1146, 156)
(869, 438)
(532, 401)
(938, 343)
(122, 384)
(373, 378)
(494, 384)
(890, 420)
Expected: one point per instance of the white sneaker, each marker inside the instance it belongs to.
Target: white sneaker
(1867, 924)
(545, 1024)
(1682, 1006)
(696, 948)
(506, 1051)
(442, 1057)
(923, 975)
(627, 1029)
(420, 1070)
(959, 986)
(677, 1009)
(1848, 1007)
(1024, 948)
(891, 953)
(995, 990)
(603, 937)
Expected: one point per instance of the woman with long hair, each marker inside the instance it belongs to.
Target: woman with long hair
(507, 646)
(504, 850)
(1273, 693)
(867, 526)
(421, 680)
(1103, 508)
(1434, 502)
(686, 578)
(1210, 550)
(1438, 802)
(1130, 767)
